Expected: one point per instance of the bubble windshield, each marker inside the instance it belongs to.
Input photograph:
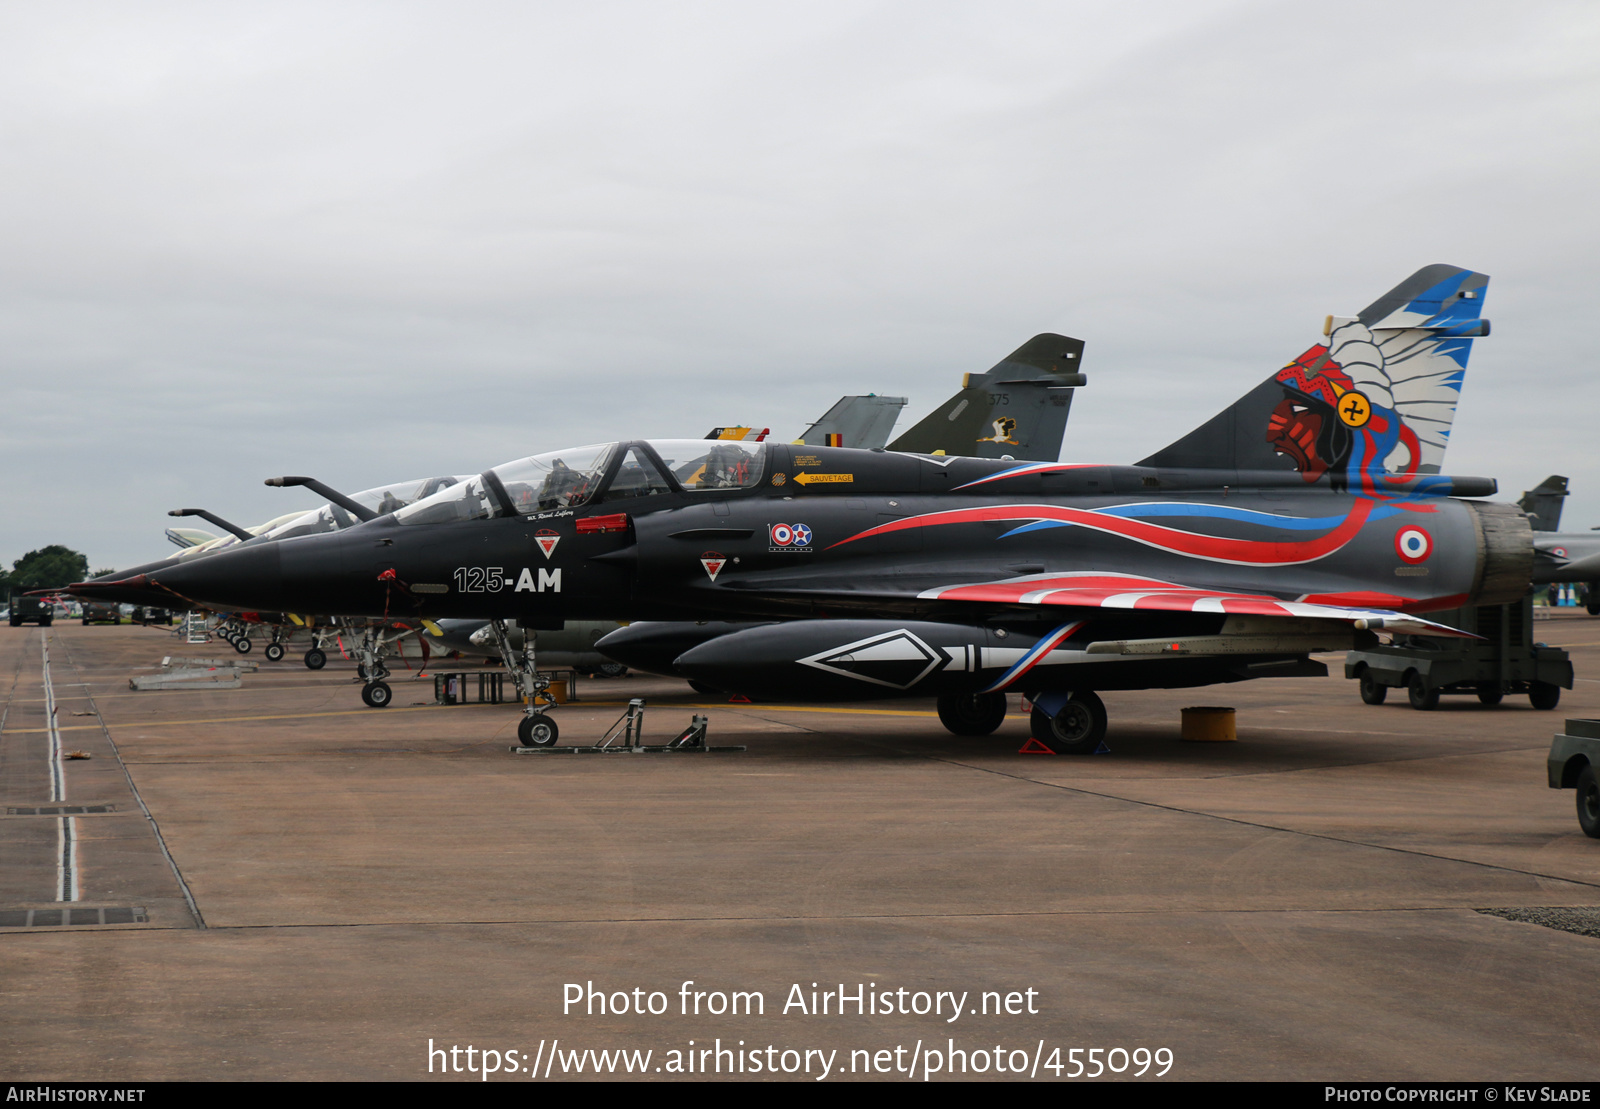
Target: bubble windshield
(702, 465)
(466, 500)
(207, 547)
(560, 479)
(383, 499)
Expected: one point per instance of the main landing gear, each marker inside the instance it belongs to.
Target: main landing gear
(536, 729)
(1069, 723)
(972, 714)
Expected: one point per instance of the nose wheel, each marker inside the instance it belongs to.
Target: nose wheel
(537, 730)
(274, 652)
(377, 695)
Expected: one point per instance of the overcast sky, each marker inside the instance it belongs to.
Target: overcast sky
(377, 241)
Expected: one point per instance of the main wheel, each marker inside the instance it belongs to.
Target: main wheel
(1077, 729)
(1489, 693)
(242, 644)
(972, 713)
(1543, 695)
(537, 730)
(274, 652)
(611, 670)
(702, 688)
(377, 695)
(315, 659)
(1372, 690)
(1589, 803)
(1421, 697)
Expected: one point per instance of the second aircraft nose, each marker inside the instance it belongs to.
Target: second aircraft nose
(247, 578)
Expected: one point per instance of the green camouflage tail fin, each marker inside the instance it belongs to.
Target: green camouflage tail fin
(1543, 503)
(1017, 410)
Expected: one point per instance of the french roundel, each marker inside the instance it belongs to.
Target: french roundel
(1413, 544)
(782, 534)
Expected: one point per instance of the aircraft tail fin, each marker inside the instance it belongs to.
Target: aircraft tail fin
(1018, 409)
(1543, 503)
(863, 422)
(1376, 394)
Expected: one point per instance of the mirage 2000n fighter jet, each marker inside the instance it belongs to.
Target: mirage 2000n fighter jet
(1561, 556)
(1305, 517)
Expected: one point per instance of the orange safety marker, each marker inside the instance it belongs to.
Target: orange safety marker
(1034, 747)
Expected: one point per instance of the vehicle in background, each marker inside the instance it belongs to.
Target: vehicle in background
(1574, 754)
(31, 610)
(101, 612)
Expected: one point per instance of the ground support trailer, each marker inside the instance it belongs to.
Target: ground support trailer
(1505, 660)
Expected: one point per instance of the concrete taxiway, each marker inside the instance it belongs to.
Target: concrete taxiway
(307, 888)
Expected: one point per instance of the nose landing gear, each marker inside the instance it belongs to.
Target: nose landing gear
(536, 728)
(369, 666)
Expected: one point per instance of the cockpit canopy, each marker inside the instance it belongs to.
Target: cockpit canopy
(383, 499)
(598, 473)
(702, 465)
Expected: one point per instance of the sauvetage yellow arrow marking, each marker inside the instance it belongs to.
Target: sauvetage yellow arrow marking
(810, 479)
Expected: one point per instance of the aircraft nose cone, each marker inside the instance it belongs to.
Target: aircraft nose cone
(248, 578)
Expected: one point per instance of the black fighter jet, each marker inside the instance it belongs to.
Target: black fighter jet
(1305, 517)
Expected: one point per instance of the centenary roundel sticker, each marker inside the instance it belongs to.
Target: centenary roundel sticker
(1413, 544)
(789, 537)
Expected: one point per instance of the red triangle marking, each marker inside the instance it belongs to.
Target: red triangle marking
(1034, 747)
(547, 543)
(739, 699)
(713, 566)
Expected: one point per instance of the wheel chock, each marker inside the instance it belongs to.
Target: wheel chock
(1034, 747)
(739, 699)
